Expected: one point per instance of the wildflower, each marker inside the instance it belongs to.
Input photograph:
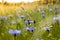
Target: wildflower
(3, 17)
(22, 16)
(39, 8)
(11, 31)
(55, 18)
(31, 29)
(43, 14)
(28, 21)
(27, 28)
(17, 31)
(14, 31)
(47, 29)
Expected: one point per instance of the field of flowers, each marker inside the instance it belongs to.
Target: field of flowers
(40, 22)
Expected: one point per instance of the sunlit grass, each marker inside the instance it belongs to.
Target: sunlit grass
(31, 13)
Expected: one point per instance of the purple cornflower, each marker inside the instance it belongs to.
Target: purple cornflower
(28, 21)
(30, 29)
(27, 28)
(47, 28)
(3, 17)
(14, 31)
(43, 14)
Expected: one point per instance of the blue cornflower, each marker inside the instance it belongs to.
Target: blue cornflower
(3, 17)
(43, 14)
(10, 31)
(17, 31)
(27, 28)
(30, 29)
(14, 31)
(28, 21)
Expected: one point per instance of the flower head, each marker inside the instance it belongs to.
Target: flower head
(10, 31)
(43, 12)
(22, 16)
(14, 31)
(31, 28)
(3, 17)
(55, 18)
(47, 28)
(27, 28)
(17, 31)
(28, 21)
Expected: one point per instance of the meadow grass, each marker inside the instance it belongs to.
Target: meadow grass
(31, 13)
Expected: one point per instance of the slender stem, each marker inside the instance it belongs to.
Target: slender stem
(14, 36)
